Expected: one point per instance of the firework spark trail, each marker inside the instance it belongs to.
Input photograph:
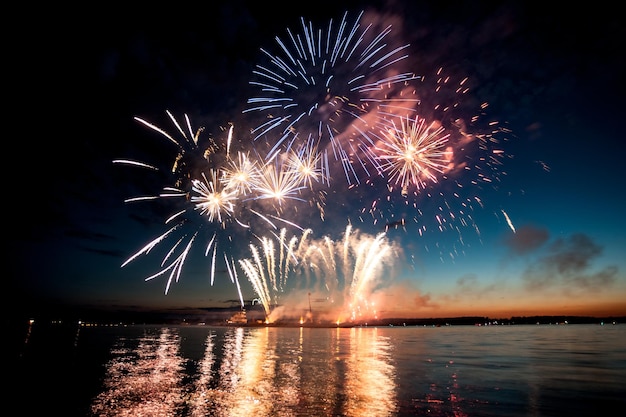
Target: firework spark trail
(257, 284)
(290, 250)
(262, 271)
(370, 258)
(288, 256)
(135, 163)
(508, 220)
(267, 276)
(318, 266)
(177, 264)
(255, 271)
(363, 259)
(208, 202)
(331, 253)
(286, 251)
(321, 86)
(281, 255)
(146, 249)
(346, 248)
(232, 273)
(371, 255)
(270, 261)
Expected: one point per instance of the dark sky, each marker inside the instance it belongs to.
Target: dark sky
(553, 78)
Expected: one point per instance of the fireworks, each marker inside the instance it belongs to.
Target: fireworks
(268, 273)
(435, 162)
(332, 100)
(306, 164)
(414, 153)
(213, 199)
(349, 270)
(215, 196)
(240, 175)
(328, 87)
(344, 272)
(278, 183)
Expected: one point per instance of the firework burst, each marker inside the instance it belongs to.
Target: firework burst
(214, 198)
(436, 161)
(414, 153)
(328, 87)
(241, 174)
(278, 183)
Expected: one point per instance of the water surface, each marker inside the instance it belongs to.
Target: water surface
(516, 370)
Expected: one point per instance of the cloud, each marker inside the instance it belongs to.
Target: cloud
(567, 264)
(526, 239)
(573, 255)
(470, 287)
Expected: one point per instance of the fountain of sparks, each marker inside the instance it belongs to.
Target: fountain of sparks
(269, 266)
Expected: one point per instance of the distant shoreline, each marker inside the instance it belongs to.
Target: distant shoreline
(391, 322)
(255, 315)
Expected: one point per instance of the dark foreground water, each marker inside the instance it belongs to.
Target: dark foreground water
(519, 370)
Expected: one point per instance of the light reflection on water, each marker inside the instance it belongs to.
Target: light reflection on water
(143, 379)
(258, 371)
(523, 370)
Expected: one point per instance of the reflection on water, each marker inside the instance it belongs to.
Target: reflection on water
(257, 371)
(143, 380)
(201, 398)
(496, 371)
(370, 376)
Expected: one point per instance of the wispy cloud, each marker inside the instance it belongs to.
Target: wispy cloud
(527, 239)
(568, 263)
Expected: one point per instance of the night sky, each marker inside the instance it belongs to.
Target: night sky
(528, 218)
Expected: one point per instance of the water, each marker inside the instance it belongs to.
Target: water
(518, 370)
